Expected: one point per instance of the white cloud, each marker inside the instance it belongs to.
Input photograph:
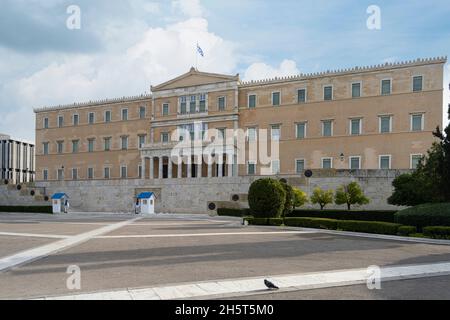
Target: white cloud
(190, 8)
(262, 70)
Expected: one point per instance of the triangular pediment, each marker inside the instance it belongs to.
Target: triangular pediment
(194, 78)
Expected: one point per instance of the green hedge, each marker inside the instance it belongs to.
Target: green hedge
(407, 231)
(369, 227)
(437, 232)
(266, 198)
(384, 216)
(315, 223)
(435, 214)
(27, 209)
(223, 212)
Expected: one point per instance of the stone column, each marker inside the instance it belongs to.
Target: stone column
(152, 168)
(161, 162)
(143, 159)
(169, 170)
(210, 169)
(180, 168)
(189, 167)
(230, 166)
(220, 165)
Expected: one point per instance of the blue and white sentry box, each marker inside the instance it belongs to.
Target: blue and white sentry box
(58, 201)
(147, 202)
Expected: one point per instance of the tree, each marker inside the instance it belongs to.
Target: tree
(266, 198)
(322, 197)
(300, 198)
(351, 194)
(289, 203)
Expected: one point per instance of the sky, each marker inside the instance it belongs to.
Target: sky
(121, 48)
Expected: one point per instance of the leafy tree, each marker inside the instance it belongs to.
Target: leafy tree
(289, 203)
(266, 198)
(350, 194)
(300, 198)
(322, 197)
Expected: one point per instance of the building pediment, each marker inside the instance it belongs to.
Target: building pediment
(194, 78)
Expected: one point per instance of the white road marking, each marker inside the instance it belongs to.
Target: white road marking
(246, 286)
(40, 252)
(33, 235)
(183, 235)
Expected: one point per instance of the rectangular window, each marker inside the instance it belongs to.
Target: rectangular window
(74, 174)
(45, 174)
(202, 106)
(276, 133)
(107, 173)
(76, 119)
(327, 128)
(355, 127)
(60, 147)
(385, 162)
(183, 106)
(301, 130)
(91, 145)
(417, 83)
(164, 137)
(90, 173)
(417, 122)
(107, 116)
(123, 172)
(124, 143)
(142, 140)
(60, 121)
(60, 174)
(386, 87)
(75, 145)
(221, 102)
(165, 109)
(415, 160)
(142, 112)
(276, 99)
(251, 133)
(301, 96)
(91, 118)
(356, 90)
(355, 163)
(193, 104)
(328, 93)
(45, 123)
(252, 101)
(385, 124)
(299, 166)
(251, 168)
(107, 144)
(327, 163)
(275, 165)
(124, 114)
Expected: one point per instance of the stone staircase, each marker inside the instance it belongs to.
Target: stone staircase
(28, 195)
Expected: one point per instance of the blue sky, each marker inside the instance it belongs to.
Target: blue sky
(125, 46)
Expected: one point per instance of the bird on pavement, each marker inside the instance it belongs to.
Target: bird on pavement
(270, 285)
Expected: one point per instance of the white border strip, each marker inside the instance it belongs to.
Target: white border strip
(185, 235)
(33, 235)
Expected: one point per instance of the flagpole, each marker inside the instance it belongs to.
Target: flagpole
(196, 57)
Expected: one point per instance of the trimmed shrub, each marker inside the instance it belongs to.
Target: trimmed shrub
(315, 223)
(27, 209)
(425, 215)
(437, 232)
(322, 197)
(384, 216)
(349, 195)
(223, 212)
(289, 203)
(300, 198)
(266, 198)
(259, 221)
(406, 231)
(369, 227)
(275, 222)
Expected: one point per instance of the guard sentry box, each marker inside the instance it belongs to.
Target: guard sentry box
(146, 202)
(58, 202)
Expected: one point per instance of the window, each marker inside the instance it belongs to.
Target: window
(386, 87)
(90, 173)
(251, 168)
(355, 163)
(60, 147)
(60, 174)
(165, 109)
(107, 116)
(355, 127)
(327, 163)
(164, 137)
(91, 145)
(74, 174)
(142, 112)
(124, 114)
(45, 123)
(193, 104)
(275, 165)
(183, 107)
(328, 93)
(301, 130)
(385, 162)
(221, 103)
(107, 173)
(415, 160)
(251, 133)
(356, 90)
(107, 144)
(142, 140)
(276, 98)
(45, 174)
(301, 96)
(60, 121)
(124, 143)
(123, 172)
(417, 83)
(299, 166)
(202, 103)
(417, 122)
(76, 119)
(252, 101)
(91, 118)
(327, 128)
(75, 145)
(385, 124)
(276, 133)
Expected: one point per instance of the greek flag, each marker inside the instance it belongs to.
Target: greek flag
(200, 50)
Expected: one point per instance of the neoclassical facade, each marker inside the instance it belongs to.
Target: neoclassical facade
(16, 160)
(377, 117)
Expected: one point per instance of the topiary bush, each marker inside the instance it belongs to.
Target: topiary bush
(266, 198)
(437, 232)
(433, 214)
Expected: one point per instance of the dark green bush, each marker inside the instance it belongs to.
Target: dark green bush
(437, 232)
(266, 198)
(27, 209)
(425, 215)
(275, 222)
(406, 231)
(289, 203)
(258, 221)
(315, 223)
(384, 216)
(369, 227)
(223, 212)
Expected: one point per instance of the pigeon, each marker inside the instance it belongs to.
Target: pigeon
(270, 285)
